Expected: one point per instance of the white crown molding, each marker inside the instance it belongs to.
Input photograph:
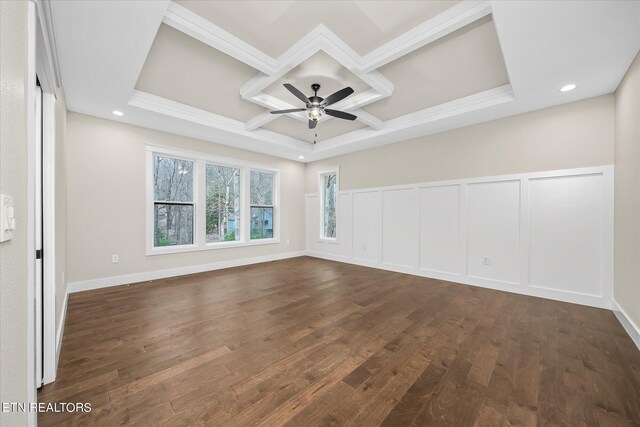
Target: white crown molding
(485, 99)
(182, 19)
(181, 111)
(48, 68)
(538, 55)
(369, 119)
(452, 19)
(479, 101)
(323, 39)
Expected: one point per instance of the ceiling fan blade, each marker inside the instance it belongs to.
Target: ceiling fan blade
(338, 96)
(293, 110)
(297, 93)
(340, 114)
(312, 124)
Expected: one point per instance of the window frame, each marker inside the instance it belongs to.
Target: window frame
(276, 211)
(321, 174)
(242, 213)
(200, 160)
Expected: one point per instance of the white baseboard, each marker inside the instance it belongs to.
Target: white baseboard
(558, 295)
(60, 332)
(106, 282)
(629, 325)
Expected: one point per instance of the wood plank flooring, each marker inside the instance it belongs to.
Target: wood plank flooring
(306, 342)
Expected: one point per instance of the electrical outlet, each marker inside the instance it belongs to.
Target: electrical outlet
(486, 260)
(115, 258)
(288, 242)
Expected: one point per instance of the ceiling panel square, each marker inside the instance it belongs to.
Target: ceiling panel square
(183, 69)
(319, 68)
(463, 63)
(273, 26)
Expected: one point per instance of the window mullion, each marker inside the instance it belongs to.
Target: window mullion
(199, 196)
(245, 209)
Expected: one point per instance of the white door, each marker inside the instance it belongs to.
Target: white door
(38, 238)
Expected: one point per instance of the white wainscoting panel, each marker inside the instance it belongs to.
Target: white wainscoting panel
(440, 229)
(400, 221)
(566, 229)
(367, 226)
(546, 234)
(493, 228)
(343, 246)
(312, 229)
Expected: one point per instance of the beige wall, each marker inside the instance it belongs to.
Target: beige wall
(627, 193)
(106, 200)
(60, 202)
(573, 135)
(13, 181)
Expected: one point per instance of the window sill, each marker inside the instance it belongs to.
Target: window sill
(209, 246)
(332, 241)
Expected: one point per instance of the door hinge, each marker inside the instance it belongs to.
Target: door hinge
(38, 253)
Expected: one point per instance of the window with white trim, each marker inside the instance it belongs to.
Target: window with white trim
(173, 204)
(328, 182)
(197, 202)
(261, 188)
(223, 204)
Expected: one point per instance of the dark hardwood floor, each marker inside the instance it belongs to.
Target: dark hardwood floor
(307, 342)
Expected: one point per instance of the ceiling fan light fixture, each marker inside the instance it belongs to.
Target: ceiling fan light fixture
(315, 113)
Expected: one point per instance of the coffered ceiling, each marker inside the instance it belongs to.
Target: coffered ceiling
(214, 69)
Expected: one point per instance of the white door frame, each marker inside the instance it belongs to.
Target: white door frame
(30, 254)
(49, 238)
(37, 236)
(45, 61)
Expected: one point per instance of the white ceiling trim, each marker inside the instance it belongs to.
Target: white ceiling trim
(323, 39)
(423, 118)
(450, 20)
(48, 67)
(101, 48)
(182, 19)
(167, 107)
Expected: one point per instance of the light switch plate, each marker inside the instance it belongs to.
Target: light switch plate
(7, 218)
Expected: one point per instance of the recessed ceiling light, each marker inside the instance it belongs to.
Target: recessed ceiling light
(301, 157)
(567, 88)
(118, 113)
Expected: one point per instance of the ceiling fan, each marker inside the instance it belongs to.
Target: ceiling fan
(315, 105)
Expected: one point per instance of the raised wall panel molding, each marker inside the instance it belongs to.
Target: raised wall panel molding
(453, 219)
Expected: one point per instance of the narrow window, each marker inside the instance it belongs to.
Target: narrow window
(329, 200)
(173, 201)
(223, 204)
(261, 200)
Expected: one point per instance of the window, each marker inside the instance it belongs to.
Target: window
(199, 202)
(328, 204)
(223, 204)
(173, 206)
(261, 204)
